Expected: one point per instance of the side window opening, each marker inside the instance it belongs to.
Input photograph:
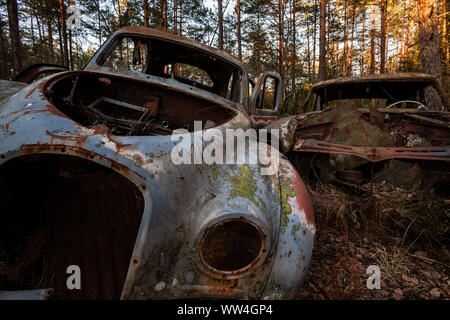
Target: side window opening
(268, 94)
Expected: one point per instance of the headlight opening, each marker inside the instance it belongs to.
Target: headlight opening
(232, 246)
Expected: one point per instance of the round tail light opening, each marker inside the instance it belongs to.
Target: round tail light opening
(232, 246)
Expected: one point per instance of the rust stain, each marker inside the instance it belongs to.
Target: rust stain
(51, 148)
(51, 109)
(38, 87)
(101, 129)
(79, 140)
(303, 199)
(223, 287)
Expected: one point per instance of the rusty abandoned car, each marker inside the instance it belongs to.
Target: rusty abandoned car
(86, 179)
(389, 127)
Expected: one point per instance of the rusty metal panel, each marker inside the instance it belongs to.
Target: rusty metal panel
(33, 72)
(181, 203)
(93, 221)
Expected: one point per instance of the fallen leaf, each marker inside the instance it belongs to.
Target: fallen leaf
(435, 293)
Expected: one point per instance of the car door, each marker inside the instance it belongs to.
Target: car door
(266, 97)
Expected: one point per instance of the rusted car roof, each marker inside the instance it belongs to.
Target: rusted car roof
(406, 76)
(380, 78)
(170, 36)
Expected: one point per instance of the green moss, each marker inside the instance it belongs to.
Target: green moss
(284, 220)
(287, 190)
(215, 173)
(244, 185)
(234, 126)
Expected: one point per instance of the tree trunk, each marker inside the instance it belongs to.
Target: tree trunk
(163, 14)
(44, 38)
(220, 13)
(345, 64)
(14, 33)
(334, 55)
(32, 37)
(166, 23)
(409, 31)
(383, 10)
(314, 42)
(145, 13)
(3, 56)
(280, 38)
(70, 49)
(308, 52)
(329, 49)
(119, 12)
(99, 25)
(322, 48)
(51, 52)
(363, 42)
(429, 41)
(294, 51)
(61, 45)
(350, 62)
(257, 46)
(402, 52)
(65, 53)
(238, 12)
(180, 29)
(372, 44)
(175, 16)
(445, 45)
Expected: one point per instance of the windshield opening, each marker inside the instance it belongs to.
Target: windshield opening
(420, 95)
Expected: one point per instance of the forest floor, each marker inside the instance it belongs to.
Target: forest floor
(404, 233)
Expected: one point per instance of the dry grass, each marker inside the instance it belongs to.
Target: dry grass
(392, 263)
(403, 232)
(385, 212)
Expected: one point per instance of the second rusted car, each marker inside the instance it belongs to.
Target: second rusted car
(389, 127)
